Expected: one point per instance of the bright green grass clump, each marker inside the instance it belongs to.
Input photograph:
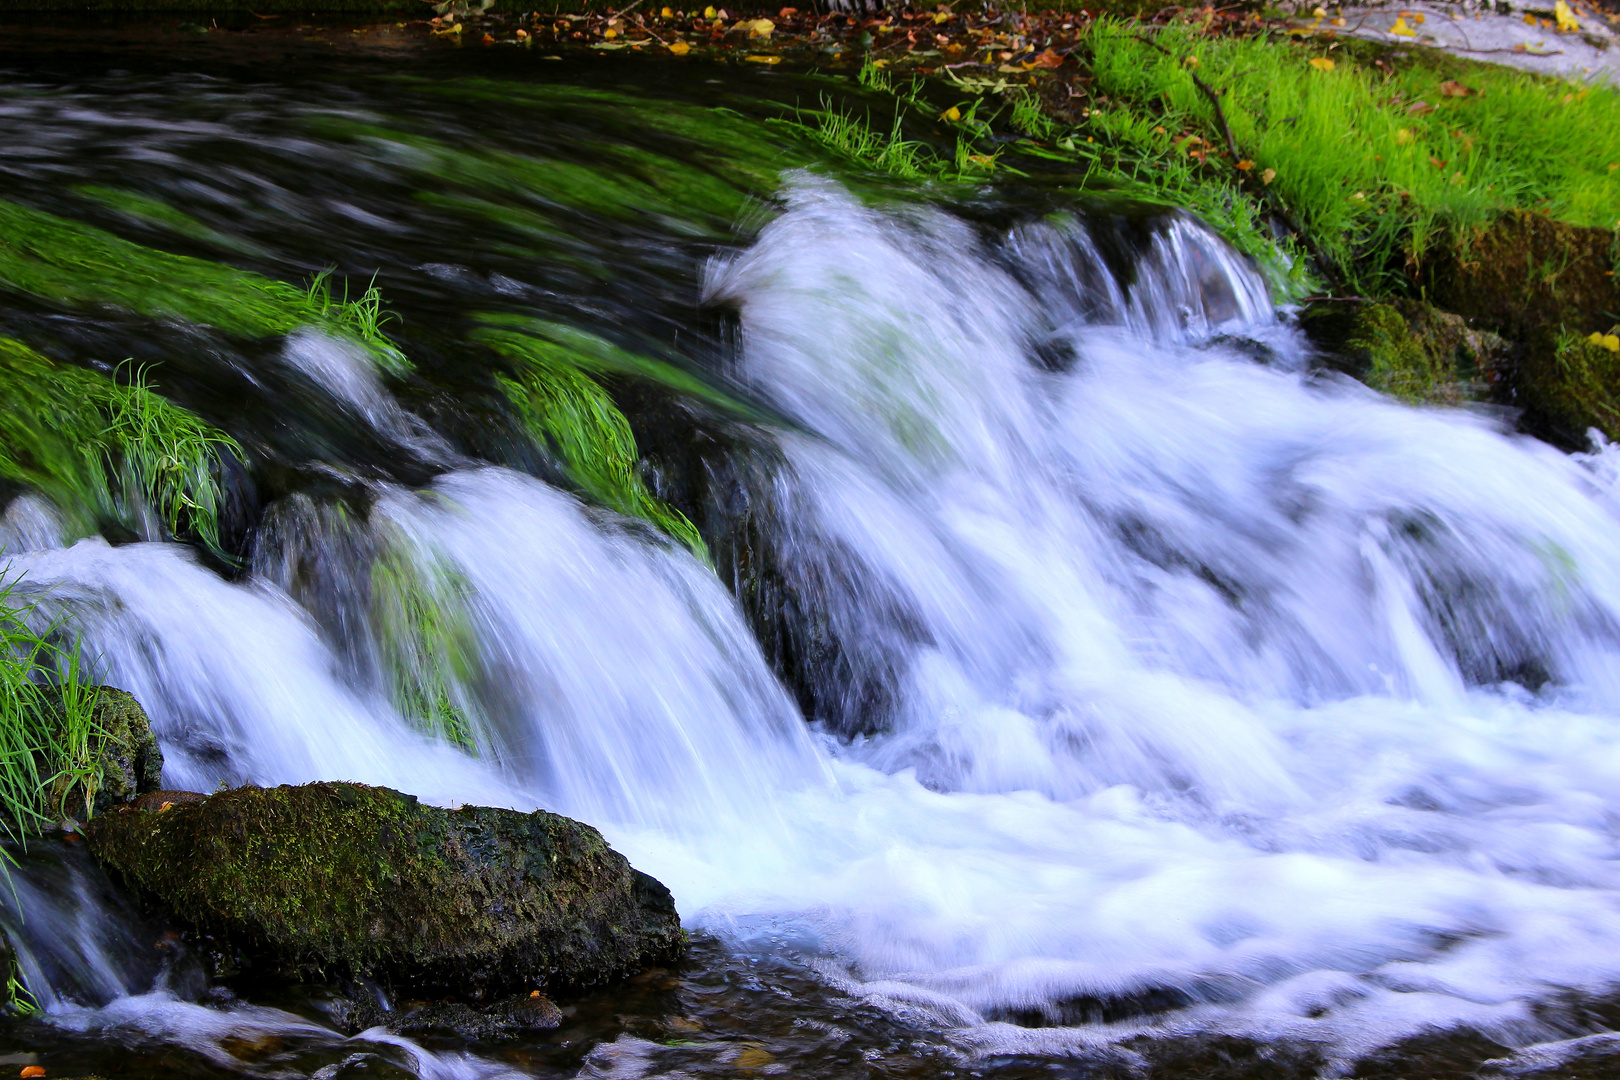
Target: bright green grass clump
(47, 719)
(80, 266)
(574, 417)
(109, 451)
(1375, 163)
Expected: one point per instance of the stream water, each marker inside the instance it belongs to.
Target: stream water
(1083, 678)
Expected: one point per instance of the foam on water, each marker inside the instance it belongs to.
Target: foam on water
(1173, 674)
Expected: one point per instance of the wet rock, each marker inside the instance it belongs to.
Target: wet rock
(1417, 352)
(348, 881)
(125, 755)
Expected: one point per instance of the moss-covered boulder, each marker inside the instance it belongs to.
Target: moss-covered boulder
(1539, 283)
(1420, 353)
(338, 880)
(121, 760)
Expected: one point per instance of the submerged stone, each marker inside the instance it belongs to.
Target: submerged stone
(344, 880)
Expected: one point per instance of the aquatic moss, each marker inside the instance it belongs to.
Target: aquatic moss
(575, 417)
(425, 640)
(159, 214)
(106, 451)
(334, 879)
(77, 265)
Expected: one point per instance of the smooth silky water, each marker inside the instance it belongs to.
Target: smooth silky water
(1076, 676)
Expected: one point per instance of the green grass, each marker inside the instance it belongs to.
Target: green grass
(47, 721)
(110, 451)
(1375, 177)
(575, 418)
(80, 266)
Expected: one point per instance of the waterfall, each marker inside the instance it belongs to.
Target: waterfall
(1139, 657)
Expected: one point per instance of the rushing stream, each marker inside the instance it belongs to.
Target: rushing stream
(1078, 666)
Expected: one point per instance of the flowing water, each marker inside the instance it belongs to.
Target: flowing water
(1082, 678)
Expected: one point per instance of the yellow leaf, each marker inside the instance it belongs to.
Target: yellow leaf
(679, 48)
(1529, 20)
(1400, 29)
(1566, 18)
(941, 19)
(1268, 176)
(1245, 165)
(1321, 63)
(1404, 136)
(709, 13)
(758, 28)
(667, 13)
(1605, 341)
(764, 59)
(609, 34)
(953, 114)
(1319, 12)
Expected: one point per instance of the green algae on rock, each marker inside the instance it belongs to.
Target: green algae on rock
(1419, 353)
(345, 880)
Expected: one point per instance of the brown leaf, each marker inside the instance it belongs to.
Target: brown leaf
(1418, 108)
(1047, 59)
(1453, 88)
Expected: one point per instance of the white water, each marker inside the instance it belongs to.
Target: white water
(1190, 667)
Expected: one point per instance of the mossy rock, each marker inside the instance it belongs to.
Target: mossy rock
(1536, 282)
(339, 880)
(125, 756)
(1419, 353)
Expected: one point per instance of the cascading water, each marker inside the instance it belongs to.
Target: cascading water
(1157, 681)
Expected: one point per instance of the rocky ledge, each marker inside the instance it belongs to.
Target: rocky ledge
(340, 880)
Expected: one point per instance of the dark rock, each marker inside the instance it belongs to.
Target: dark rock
(510, 1019)
(128, 761)
(343, 880)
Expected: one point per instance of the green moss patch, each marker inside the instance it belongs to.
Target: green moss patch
(336, 879)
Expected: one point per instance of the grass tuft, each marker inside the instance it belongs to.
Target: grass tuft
(110, 452)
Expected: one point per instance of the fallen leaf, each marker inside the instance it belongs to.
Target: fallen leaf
(1418, 108)
(709, 13)
(610, 45)
(1322, 63)
(1436, 162)
(1360, 196)
(609, 34)
(1161, 131)
(953, 114)
(1605, 341)
(489, 39)
(753, 1057)
(757, 28)
(1047, 59)
(941, 19)
(763, 59)
(1529, 20)
(1400, 29)
(679, 48)
(1319, 13)
(522, 34)
(1245, 165)
(1404, 136)
(1191, 61)
(1566, 18)
(32, 1071)
(166, 806)
(1268, 176)
(787, 13)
